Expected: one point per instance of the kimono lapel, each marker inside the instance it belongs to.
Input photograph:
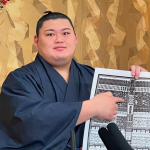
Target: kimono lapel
(51, 80)
(72, 91)
(77, 89)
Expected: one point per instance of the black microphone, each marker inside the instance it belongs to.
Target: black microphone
(108, 139)
(73, 140)
(118, 137)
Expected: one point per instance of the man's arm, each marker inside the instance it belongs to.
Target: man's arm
(103, 105)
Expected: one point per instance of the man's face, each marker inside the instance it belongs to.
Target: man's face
(56, 42)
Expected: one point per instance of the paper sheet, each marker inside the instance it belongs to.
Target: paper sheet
(133, 117)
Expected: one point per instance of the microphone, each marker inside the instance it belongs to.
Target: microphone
(108, 139)
(118, 137)
(73, 140)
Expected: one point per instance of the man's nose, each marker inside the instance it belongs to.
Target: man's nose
(58, 39)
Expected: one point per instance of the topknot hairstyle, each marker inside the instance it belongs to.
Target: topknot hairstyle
(49, 15)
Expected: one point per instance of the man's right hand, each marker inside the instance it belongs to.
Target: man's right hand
(105, 105)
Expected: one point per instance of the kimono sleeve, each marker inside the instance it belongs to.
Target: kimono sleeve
(31, 122)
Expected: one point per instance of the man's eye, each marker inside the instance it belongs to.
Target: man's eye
(50, 34)
(66, 33)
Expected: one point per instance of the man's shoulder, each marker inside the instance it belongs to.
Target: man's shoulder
(26, 69)
(85, 68)
(26, 74)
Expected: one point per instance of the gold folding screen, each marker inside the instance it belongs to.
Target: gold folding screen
(111, 33)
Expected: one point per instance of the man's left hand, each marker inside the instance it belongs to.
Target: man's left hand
(135, 71)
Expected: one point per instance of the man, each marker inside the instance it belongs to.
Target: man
(41, 102)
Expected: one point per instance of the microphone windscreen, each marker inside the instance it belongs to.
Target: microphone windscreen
(119, 138)
(107, 139)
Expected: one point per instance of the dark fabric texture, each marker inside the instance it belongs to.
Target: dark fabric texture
(38, 109)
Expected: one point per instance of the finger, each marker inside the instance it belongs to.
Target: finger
(132, 69)
(116, 108)
(114, 117)
(137, 72)
(81, 148)
(118, 99)
(115, 112)
(143, 70)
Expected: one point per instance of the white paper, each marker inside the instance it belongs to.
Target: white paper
(133, 117)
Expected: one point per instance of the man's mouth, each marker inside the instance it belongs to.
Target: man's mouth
(59, 47)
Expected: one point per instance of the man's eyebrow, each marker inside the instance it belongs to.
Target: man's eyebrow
(54, 30)
(65, 29)
(49, 30)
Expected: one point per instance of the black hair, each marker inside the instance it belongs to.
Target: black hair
(51, 16)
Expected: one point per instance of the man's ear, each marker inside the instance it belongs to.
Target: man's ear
(35, 40)
(76, 38)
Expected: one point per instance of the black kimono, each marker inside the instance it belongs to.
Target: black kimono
(38, 108)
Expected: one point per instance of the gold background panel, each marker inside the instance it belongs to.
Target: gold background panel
(111, 33)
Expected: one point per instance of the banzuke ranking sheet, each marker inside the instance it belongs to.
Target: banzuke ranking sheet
(133, 117)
